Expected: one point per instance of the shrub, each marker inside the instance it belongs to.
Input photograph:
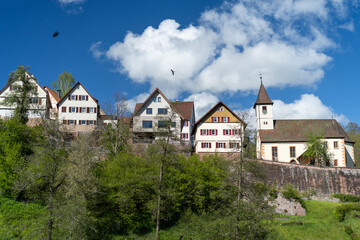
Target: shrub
(290, 192)
(348, 229)
(343, 209)
(308, 193)
(346, 197)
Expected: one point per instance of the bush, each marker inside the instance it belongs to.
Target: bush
(308, 193)
(273, 193)
(290, 192)
(342, 210)
(346, 197)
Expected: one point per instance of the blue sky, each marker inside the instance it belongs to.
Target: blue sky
(307, 51)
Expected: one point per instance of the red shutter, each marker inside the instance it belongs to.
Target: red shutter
(87, 98)
(212, 119)
(208, 132)
(76, 97)
(217, 145)
(233, 132)
(39, 100)
(180, 135)
(69, 97)
(223, 131)
(69, 109)
(209, 145)
(74, 122)
(88, 110)
(10, 87)
(187, 136)
(202, 145)
(80, 109)
(222, 119)
(79, 122)
(87, 122)
(228, 118)
(77, 109)
(187, 123)
(63, 109)
(68, 121)
(94, 122)
(224, 145)
(201, 131)
(94, 110)
(64, 121)
(79, 97)
(216, 132)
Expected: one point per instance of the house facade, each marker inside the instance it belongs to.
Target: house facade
(52, 100)
(38, 106)
(151, 116)
(219, 130)
(285, 140)
(78, 110)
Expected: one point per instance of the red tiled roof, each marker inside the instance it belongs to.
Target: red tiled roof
(298, 130)
(263, 97)
(57, 98)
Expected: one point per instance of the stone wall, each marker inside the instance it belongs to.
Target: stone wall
(327, 180)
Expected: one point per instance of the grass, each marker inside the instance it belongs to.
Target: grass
(319, 223)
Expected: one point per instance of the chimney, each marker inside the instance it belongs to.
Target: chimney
(58, 93)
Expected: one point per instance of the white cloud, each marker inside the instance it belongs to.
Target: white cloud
(71, 6)
(203, 103)
(96, 52)
(308, 106)
(348, 26)
(66, 2)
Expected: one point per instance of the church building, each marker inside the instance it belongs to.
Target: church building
(285, 140)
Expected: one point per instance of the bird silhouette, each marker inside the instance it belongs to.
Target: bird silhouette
(172, 71)
(55, 34)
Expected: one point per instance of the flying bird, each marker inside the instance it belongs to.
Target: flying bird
(172, 71)
(55, 34)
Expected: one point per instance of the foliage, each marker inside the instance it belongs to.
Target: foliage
(16, 141)
(346, 197)
(353, 130)
(21, 96)
(20, 220)
(316, 151)
(290, 192)
(344, 209)
(64, 83)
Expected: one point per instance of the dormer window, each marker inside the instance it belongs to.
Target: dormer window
(221, 109)
(159, 99)
(264, 110)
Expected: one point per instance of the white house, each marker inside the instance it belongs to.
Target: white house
(53, 100)
(38, 106)
(150, 116)
(78, 109)
(285, 140)
(219, 130)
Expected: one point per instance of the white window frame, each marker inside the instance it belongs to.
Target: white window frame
(159, 99)
(71, 122)
(216, 119)
(91, 122)
(91, 110)
(72, 98)
(73, 109)
(83, 110)
(83, 98)
(227, 132)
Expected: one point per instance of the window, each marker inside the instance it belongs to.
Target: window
(173, 124)
(292, 152)
(14, 87)
(186, 123)
(203, 132)
(91, 122)
(274, 153)
(236, 132)
(325, 145)
(265, 123)
(221, 109)
(234, 145)
(147, 124)
(159, 99)
(335, 162)
(205, 145)
(154, 99)
(162, 111)
(83, 109)
(226, 132)
(336, 145)
(82, 122)
(91, 110)
(225, 119)
(83, 98)
(213, 132)
(184, 135)
(215, 119)
(149, 111)
(33, 100)
(73, 97)
(161, 124)
(220, 145)
(63, 109)
(71, 122)
(264, 109)
(73, 109)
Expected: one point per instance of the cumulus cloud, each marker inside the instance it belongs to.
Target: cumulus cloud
(95, 50)
(203, 103)
(230, 45)
(348, 26)
(66, 2)
(71, 6)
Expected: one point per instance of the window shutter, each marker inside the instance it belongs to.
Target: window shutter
(228, 119)
(222, 119)
(68, 121)
(80, 110)
(201, 132)
(87, 122)
(202, 145)
(212, 119)
(79, 122)
(223, 131)
(94, 110)
(88, 110)
(224, 145)
(69, 109)
(39, 100)
(187, 136)
(79, 97)
(216, 132)
(187, 123)
(87, 98)
(69, 97)
(77, 109)
(64, 121)
(233, 132)
(208, 132)
(63, 109)
(209, 145)
(74, 122)
(76, 97)
(10, 87)
(95, 122)
(217, 145)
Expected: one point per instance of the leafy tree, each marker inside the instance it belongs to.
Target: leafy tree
(316, 151)
(23, 93)
(64, 83)
(353, 130)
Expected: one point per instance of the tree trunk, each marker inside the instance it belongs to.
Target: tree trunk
(51, 219)
(159, 203)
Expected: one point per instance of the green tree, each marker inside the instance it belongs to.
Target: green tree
(316, 151)
(64, 83)
(23, 94)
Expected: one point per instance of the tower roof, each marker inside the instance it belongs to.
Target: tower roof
(263, 97)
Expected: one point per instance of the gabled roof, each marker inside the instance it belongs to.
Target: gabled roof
(298, 130)
(55, 96)
(76, 84)
(263, 97)
(214, 109)
(14, 80)
(184, 109)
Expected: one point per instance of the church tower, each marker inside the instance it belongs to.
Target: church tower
(264, 110)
